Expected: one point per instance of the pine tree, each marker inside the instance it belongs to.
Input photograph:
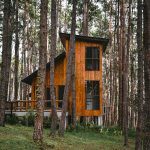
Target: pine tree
(146, 110)
(40, 96)
(138, 143)
(6, 56)
(16, 53)
(52, 66)
(69, 70)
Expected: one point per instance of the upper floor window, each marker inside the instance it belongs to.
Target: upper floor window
(92, 58)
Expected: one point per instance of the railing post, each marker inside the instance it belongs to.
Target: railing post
(20, 105)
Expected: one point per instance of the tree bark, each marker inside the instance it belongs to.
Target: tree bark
(16, 54)
(73, 91)
(52, 67)
(69, 70)
(25, 47)
(6, 57)
(38, 124)
(125, 76)
(120, 104)
(138, 142)
(146, 108)
(85, 17)
(110, 69)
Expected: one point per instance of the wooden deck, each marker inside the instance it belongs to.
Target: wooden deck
(21, 107)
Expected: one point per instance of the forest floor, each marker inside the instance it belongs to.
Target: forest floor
(19, 137)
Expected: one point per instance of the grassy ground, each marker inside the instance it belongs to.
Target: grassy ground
(20, 138)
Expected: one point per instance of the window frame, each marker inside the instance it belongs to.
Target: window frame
(93, 95)
(93, 59)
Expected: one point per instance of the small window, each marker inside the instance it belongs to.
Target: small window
(61, 92)
(92, 95)
(60, 95)
(48, 98)
(92, 58)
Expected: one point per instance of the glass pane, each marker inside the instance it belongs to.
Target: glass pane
(89, 89)
(95, 64)
(95, 87)
(61, 92)
(95, 52)
(89, 104)
(96, 103)
(48, 98)
(88, 52)
(60, 104)
(89, 65)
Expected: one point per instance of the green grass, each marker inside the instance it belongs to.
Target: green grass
(20, 138)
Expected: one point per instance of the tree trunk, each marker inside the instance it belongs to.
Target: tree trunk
(25, 47)
(38, 124)
(73, 91)
(125, 75)
(138, 142)
(52, 67)
(69, 70)
(85, 17)
(110, 65)
(120, 104)
(146, 108)
(16, 54)
(6, 57)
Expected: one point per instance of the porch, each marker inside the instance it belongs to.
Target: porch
(22, 107)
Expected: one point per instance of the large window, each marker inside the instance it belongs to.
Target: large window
(59, 96)
(92, 95)
(92, 58)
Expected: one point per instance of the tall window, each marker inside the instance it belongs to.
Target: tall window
(60, 95)
(92, 95)
(48, 98)
(92, 58)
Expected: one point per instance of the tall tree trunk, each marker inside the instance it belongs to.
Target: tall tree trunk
(138, 142)
(73, 90)
(25, 46)
(69, 70)
(6, 57)
(110, 65)
(120, 104)
(38, 124)
(132, 84)
(115, 72)
(85, 17)
(52, 67)
(85, 33)
(146, 142)
(16, 54)
(125, 76)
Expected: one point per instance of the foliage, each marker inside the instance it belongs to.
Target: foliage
(73, 140)
(47, 122)
(12, 119)
(112, 130)
(28, 119)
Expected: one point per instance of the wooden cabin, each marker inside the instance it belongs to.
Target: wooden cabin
(88, 76)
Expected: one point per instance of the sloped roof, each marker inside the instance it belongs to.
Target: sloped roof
(103, 41)
(29, 79)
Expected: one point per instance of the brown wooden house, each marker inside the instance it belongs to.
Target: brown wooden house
(88, 76)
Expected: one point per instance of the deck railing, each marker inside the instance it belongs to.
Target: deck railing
(22, 105)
